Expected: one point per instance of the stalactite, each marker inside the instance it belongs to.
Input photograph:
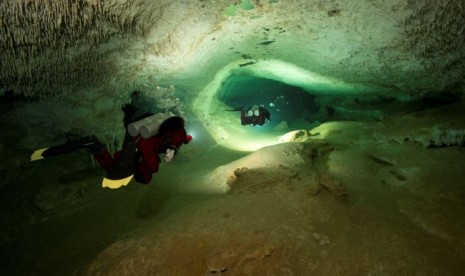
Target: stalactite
(45, 32)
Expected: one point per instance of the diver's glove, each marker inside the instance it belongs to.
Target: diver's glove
(169, 154)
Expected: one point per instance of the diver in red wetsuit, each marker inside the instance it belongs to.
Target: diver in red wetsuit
(141, 155)
(256, 115)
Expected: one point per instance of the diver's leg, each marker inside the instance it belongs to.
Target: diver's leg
(101, 154)
(105, 160)
(143, 174)
(243, 118)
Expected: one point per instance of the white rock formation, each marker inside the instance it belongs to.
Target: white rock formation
(98, 50)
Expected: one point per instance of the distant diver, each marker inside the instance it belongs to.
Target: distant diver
(139, 158)
(254, 115)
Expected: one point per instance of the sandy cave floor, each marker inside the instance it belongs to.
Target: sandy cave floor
(322, 208)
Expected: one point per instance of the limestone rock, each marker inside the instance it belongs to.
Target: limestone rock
(328, 182)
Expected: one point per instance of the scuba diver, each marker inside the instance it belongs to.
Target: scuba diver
(139, 158)
(255, 115)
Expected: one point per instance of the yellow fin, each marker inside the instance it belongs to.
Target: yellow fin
(115, 184)
(38, 154)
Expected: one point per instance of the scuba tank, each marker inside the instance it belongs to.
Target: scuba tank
(146, 127)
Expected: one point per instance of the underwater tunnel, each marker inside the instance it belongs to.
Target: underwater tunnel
(288, 104)
(359, 171)
(289, 92)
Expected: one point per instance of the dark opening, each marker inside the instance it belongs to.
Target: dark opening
(9, 96)
(285, 102)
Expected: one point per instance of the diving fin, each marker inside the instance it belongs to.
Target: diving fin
(123, 172)
(115, 178)
(116, 183)
(85, 142)
(38, 154)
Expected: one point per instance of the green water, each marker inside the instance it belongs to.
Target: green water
(56, 218)
(285, 102)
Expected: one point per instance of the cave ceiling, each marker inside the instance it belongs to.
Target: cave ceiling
(81, 51)
(396, 46)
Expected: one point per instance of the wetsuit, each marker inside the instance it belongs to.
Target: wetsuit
(146, 157)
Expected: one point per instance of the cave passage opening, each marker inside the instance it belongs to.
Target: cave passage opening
(290, 106)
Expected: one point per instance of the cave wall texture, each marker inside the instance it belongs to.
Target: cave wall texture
(89, 55)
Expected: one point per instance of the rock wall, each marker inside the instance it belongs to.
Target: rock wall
(80, 50)
(49, 46)
(435, 34)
